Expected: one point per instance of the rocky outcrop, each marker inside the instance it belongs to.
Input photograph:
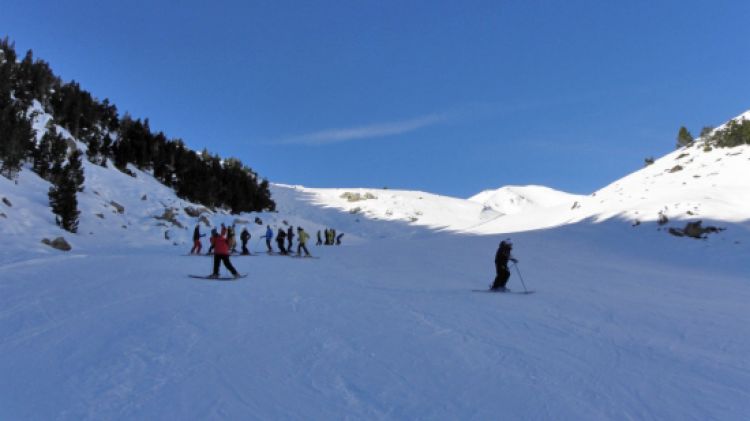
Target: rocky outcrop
(58, 243)
(118, 207)
(695, 230)
(195, 212)
(356, 197)
(170, 215)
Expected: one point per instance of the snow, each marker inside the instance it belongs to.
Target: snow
(388, 329)
(517, 199)
(626, 322)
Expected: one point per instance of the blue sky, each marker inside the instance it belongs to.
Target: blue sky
(447, 97)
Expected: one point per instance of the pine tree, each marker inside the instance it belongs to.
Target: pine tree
(67, 181)
(16, 139)
(62, 199)
(684, 138)
(93, 140)
(706, 132)
(43, 156)
(75, 169)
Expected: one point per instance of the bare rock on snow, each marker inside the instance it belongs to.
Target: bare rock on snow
(195, 212)
(694, 230)
(118, 207)
(144, 197)
(356, 197)
(7, 202)
(58, 243)
(170, 215)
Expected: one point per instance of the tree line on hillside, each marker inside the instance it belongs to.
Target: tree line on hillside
(122, 140)
(734, 133)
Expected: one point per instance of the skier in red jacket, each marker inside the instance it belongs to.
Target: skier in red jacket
(221, 254)
(197, 240)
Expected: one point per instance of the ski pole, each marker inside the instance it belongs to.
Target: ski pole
(520, 277)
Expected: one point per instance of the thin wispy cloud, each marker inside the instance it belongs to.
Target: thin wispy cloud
(379, 130)
(471, 111)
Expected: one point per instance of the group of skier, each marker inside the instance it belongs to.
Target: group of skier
(285, 240)
(330, 237)
(229, 235)
(224, 243)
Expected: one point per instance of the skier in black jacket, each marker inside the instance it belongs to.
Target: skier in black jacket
(501, 265)
(245, 237)
(289, 238)
(280, 237)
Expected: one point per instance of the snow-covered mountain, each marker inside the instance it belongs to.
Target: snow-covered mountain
(510, 200)
(626, 322)
(688, 183)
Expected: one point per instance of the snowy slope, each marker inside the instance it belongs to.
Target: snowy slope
(687, 183)
(648, 327)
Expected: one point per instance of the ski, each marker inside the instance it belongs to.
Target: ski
(277, 254)
(220, 278)
(507, 291)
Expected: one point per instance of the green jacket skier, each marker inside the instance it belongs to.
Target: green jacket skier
(303, 237)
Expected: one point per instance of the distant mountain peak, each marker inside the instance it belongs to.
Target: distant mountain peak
(510, 200)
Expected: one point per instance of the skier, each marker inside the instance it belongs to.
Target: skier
(221, 254)
(329, 237)
(197, 240)
(338, 239)
(501, 265)
(289, 238)
(333, 236)
(280, 237)
(231, 240)
(245, 237)
(211, 243)
(269, 237)
(303, 236)
(319, 240)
